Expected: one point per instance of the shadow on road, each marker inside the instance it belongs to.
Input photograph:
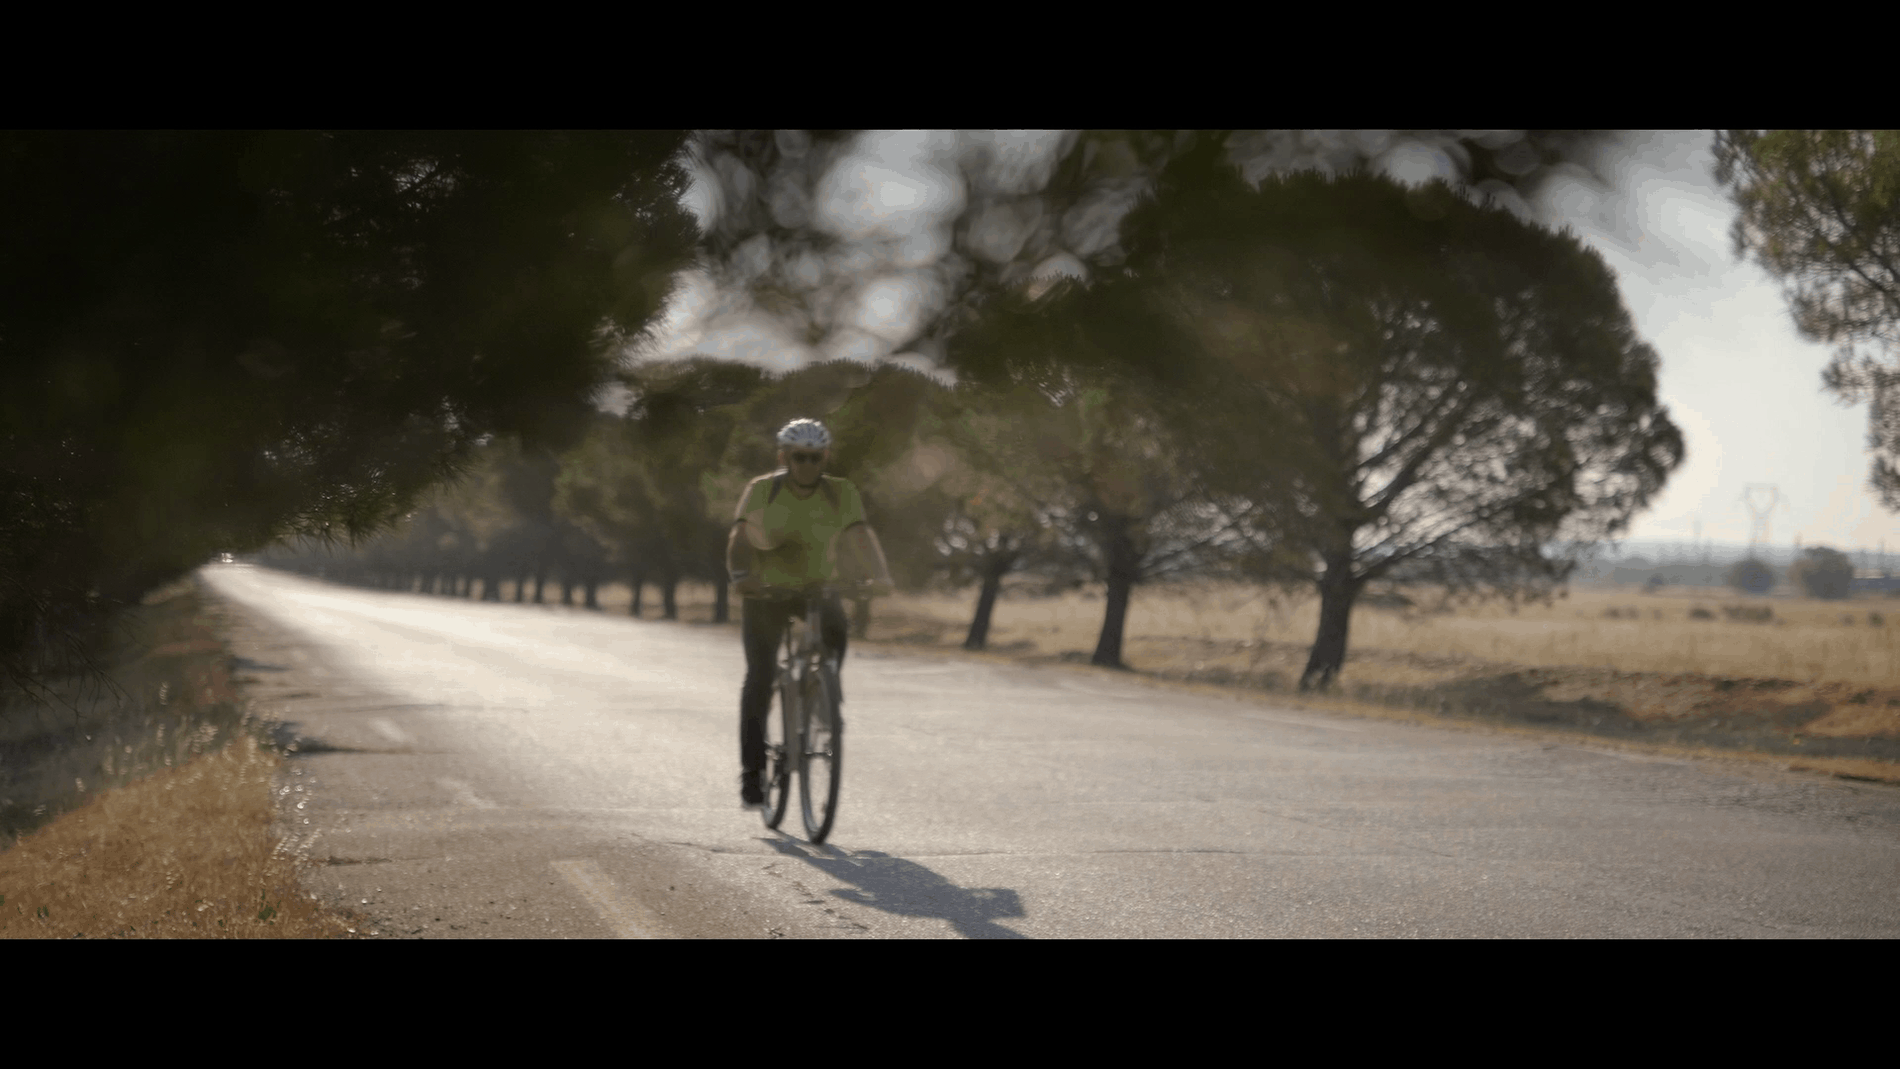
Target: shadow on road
(908, 889)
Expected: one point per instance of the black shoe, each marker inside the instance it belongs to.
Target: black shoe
(749, 792)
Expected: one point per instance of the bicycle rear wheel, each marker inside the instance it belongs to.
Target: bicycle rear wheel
(823, 746)
(779, 754)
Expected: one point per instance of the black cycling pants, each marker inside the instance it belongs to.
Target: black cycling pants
(763, 623)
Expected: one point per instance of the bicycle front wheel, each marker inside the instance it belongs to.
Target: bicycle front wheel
(779, 752)
(823, 747)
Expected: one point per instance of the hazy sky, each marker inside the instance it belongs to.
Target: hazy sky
(1742, 386)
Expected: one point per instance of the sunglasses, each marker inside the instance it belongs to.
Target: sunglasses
(805, 458)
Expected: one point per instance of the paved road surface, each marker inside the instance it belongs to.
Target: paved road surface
(493, 770)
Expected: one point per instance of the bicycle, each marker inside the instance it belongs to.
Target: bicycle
(804, 731)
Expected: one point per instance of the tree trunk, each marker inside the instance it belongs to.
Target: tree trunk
(540, 580)
(669, 600)
(1337, 591)
(491, 588)
(592, 590)
(860, 617)
(993, 571)
(633, 609)
(567, 592)
(1119, 553)
(521, 588)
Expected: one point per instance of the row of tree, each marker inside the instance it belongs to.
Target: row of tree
(1320, 380)
(216, 340)
(221, 339)
(213, 340)
(1820, 572)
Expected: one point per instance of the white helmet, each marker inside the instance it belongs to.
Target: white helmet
(806, 433)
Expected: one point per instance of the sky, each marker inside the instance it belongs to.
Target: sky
(1741, 384)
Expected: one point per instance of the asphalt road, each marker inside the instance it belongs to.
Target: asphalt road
(494, 770)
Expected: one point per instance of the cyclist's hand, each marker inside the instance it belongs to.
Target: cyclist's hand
(749, 587)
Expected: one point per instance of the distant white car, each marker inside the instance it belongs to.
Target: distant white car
(226, 558)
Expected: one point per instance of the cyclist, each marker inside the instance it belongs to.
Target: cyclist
(794, 530)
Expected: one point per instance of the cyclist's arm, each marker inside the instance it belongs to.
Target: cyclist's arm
(861, 558)
(742, 561)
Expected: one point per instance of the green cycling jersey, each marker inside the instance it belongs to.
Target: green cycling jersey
(796, 538)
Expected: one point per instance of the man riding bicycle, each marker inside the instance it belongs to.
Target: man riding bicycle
(794, 531)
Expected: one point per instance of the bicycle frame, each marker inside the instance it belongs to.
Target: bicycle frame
(802, 672)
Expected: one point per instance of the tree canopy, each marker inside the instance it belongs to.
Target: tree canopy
(1820, 210)
(1399, 380)
(1823, 573)
(793, 233)
(1174, 351)
(209, 340)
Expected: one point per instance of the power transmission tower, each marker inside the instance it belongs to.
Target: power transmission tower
(1761, 499)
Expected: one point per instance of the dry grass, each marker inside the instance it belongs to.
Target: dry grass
(149, 800)
(1614, 663)
(1815, 674)
(1651, 633)
(185, 853)
(1624, 630)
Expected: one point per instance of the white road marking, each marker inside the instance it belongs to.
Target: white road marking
(1070, 684)
(394, 733)
(465, 794)
(629, 920)
(1647, 759)
(1303, 722)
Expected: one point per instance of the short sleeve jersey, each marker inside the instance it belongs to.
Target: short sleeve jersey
(804, 530)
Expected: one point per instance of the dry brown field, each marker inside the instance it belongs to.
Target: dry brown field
(1697, 668)
(1811, 641)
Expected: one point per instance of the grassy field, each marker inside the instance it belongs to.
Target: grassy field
(1702, 668)
(1804, 640)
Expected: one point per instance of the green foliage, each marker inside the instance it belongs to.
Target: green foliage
(212, 340)
(889, 438)
(1396, 380)
(683, 421)
(1398, 377)
(1007, 218)
(605, 489)
(1823, 573)
(1091, 429)
(1751, 576)
(1820, 210)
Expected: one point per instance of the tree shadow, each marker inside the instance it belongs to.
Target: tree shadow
(908, 889)
(287, 738)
